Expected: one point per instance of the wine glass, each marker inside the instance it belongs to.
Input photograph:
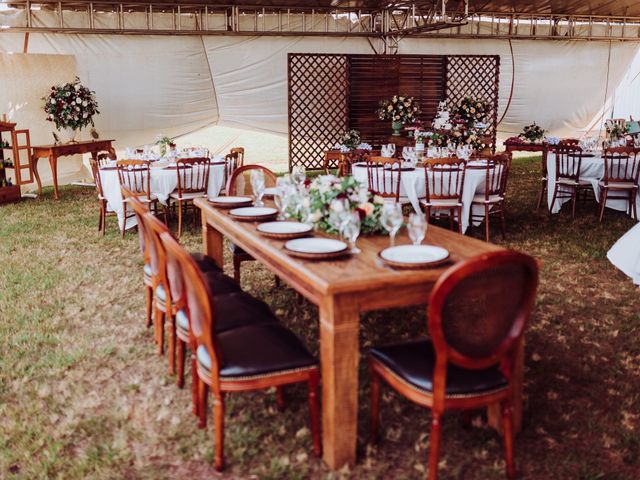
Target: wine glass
(257, 184)
(391, 219)
(298, 175)
(417, 227)
(351, 230)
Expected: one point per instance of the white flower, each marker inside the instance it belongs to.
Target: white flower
(85, 103)
(337, 206)
(315, 216)
(77, 87)
(378, 199)
(78, 100)
(85, 115)
(53, 100)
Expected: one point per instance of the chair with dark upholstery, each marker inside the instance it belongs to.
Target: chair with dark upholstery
(620, 180)
(239, 184)
(476, 330)
(252, 357)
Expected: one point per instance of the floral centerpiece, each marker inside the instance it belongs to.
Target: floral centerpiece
(164, 143)
(401, 110)
(532, 133)
(351, 141)
(471, 110)
(514, 141)
(323, 190)
(71, 107)
(616, 130)
(466, 136)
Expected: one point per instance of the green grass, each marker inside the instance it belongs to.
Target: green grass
(83, 394)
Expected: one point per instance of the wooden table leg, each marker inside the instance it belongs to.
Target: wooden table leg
(339, 357)
(34, 170)
(53, 162)
(212, 242)
(494, 412)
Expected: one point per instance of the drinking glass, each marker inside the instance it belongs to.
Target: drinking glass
(391, 219)
(257, 184)
(417, 228)
(298, 175)
(351, 230)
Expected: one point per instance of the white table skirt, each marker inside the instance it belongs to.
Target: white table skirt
(625, 254)
(591, 170)
(412, 186)
(163, 182)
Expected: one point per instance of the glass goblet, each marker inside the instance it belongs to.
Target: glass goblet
(391, 219)
(417, 228)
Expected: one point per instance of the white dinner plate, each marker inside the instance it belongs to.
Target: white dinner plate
(316, 247)
(228, 199)
(284, 229)
(414, 256)
(253, 213)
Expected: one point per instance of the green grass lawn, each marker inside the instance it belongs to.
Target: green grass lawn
(84, 395)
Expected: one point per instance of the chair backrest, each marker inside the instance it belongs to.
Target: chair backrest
(621, 164)
(384, 176)
(95, 172)
(230, 165)
(496, 169)
(104, 158)
(193, 175)
(240, 181)
(139, 209)
(444, 180)
(135, 176)
(240, 152)
(568, 161)
(478, 311)
(197, 301)
(157, 255)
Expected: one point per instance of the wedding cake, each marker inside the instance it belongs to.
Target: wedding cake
(442, 120)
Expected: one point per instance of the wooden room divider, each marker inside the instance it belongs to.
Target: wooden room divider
(330, 93)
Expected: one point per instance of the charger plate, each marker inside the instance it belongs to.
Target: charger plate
(253, 214)
(317, 248)
(414, 256)
(231, 202)
(284, 230)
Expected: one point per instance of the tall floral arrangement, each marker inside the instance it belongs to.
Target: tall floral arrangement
(323, 190)
(351, 139)
(471, 110)
(532, 133)
(400, 108)
(71, 105)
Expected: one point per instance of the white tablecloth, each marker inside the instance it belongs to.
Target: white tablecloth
(625, 254)
(412, 186)
(163, 182)
(592, 170)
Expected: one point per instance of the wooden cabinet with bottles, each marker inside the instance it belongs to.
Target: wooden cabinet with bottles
(15, 161)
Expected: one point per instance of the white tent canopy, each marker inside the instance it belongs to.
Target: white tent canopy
(147, 85)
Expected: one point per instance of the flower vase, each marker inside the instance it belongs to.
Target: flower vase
(70, 134)
(396, 126)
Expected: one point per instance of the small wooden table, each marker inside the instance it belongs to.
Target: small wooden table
(52, 152)
(342, 289)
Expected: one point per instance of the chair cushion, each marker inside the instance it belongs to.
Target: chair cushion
(569, 181)
(187, 196)
(414, 363)
(442, 202)
(147, 269)
(625, 185)
(205, 263)
(258, 350)
(492, 198)
(234, 310)
(218, 283)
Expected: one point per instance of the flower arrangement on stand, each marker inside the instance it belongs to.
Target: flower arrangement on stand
(323, 192)
(71, 107)
(470, 110)
(400, 109)
(532, 133)
(351, 140)
(617, 132)
(164, 143)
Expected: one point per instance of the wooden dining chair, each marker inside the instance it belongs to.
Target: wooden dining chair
(492, 200)
(444, 186)
(102, 200)
(231, 163)
(240, 184)
(476, 331)
(135, 176)
(568, 183)
(193, 182)
(620, 179)
(544, 177)
(384, 177)
(248, 358)
(240, 153)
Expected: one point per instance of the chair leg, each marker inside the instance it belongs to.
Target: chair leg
(148, 293)
(218, 433)
(159, 324)
(180, 354)
(276, 280)
(460, 220)
(486, 223)
(179, 218)
(541, 195)
(281, 402)
(434, 442)
(574, 199)
(195, 399)
(236, 269)
(507, 420)
(314, 413)
(203, 393)
(603, 200)
(553, 199)
(502, 221)
(451, 219)
(375, 406)
(634, 204)
(124, 221)
(172, 344)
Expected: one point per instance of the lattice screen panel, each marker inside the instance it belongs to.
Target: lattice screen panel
(318, 106)
(477, 76)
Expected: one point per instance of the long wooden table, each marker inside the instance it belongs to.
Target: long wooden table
(52, 152)
(342, 289)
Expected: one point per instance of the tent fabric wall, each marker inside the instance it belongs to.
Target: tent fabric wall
(179, 84)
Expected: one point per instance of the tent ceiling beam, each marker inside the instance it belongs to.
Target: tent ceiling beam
(399, 19)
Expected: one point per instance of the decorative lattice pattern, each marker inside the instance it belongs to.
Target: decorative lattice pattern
(476, 76)
(318, 106)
